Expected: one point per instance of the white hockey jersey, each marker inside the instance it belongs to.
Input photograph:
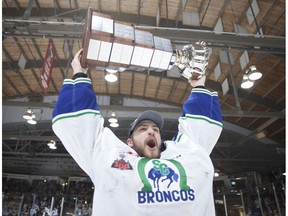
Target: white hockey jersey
(179, 183)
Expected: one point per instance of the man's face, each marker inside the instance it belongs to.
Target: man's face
(146, 139)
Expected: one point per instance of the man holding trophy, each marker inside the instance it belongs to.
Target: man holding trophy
(145, 175)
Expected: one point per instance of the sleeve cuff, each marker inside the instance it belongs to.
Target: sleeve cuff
(79, 75)
(200, 86)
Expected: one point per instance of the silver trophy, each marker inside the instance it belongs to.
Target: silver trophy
(192, 60)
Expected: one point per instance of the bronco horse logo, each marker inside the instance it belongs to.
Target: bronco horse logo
(160, 172)
(166, 173)
(153, 172)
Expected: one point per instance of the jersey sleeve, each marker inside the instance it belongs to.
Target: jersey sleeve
(77, 121)
(201, 119)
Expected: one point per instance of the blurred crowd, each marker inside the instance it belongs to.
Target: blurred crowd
(52, 198)
(44, 197)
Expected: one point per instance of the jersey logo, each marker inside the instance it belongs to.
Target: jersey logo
(163, 174)
(163, 181)
(121, 163)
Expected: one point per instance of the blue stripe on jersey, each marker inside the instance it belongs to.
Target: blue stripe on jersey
(75, 95)
(202, 102)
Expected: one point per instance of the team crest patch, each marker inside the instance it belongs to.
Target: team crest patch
(121, 163)
(164, 181)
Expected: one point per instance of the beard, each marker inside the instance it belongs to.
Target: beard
(150, 148)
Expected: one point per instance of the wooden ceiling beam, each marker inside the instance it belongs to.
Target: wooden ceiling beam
(7, 55)
(25, 82)
(269, 12)
(209, 83)
(28, 10)
(178, 15)
(158, 87)
(172, 89)
(6, 77)
(132, 85)
(98, 6)
(182, 34)
(281, 31)
(221, 12)
(146, 83)
(36, 77)
(56, 6)
(139, 4)
(184, 96)
(118, 6)
(37, 4)
(260, 128)
(205, 11)
(15, 2)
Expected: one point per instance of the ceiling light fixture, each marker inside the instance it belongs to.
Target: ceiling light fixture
(111, 71)
(114, 125)
(28, 114)
(253, 73)
(121, 69)
(32, 120)
(52, 144)
(30, 117)
(113, 120)
(111, 77)
(246, 82)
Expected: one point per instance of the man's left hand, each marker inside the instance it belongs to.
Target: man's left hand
(76, 65)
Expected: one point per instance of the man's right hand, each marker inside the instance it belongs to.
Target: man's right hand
(76, 65)
(197, 82)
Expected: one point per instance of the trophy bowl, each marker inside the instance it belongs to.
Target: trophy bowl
(192, 60)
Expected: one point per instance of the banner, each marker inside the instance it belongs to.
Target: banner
(47, 66)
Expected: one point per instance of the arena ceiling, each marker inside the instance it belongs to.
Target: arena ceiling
(253, 138)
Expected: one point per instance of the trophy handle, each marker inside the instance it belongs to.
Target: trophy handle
(86, 36)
